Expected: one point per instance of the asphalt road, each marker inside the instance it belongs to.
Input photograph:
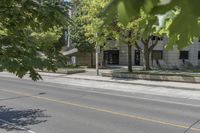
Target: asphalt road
(29, 107)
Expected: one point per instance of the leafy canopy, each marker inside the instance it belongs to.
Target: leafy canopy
(183, 29)
(78, 32)
(29, 30)
(94, 31)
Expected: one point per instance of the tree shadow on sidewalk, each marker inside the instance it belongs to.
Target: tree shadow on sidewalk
(11, 119)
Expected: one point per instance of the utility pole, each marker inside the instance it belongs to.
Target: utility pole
(97, 55)
(68, 30)
(97, 59)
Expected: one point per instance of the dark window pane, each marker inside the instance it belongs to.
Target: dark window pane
(153, 37)
(111, 57)
(184, 55)
(199, 55)
(156, 38)
(157, 54)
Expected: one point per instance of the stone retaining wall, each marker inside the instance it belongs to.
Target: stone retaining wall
(66, 71)
(158, 77)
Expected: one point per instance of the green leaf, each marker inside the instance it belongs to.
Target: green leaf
(29, 31)
(125, 9)
(185, 26)
(128, 9)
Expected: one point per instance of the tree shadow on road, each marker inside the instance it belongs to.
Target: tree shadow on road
(11, 119)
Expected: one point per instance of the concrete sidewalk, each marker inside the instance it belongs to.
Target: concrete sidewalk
(90, 75)
(125, 87)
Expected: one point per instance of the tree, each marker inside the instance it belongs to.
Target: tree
(143, 29)
(29, 30)
(96, 34)
(148, 46)
(140, 28)
(183, 29)
(78, 32)
(150, 31)
(128, 34)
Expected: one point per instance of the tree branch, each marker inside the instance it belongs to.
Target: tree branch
(143, 41)
(146, 42)
(153, 45)
(137, 46)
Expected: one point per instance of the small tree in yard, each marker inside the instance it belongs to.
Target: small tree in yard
(150, 33)
(89, 25)
(133, 32)
(78, 32)
(142, 29)
(148, 46)
(128, 34)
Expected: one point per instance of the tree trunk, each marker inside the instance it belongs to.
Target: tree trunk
(146, 58)
(130, 58)
(102, 58)
(92, 59)
(147, 52)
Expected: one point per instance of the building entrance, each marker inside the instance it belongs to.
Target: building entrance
(111, 57)
(137, 57)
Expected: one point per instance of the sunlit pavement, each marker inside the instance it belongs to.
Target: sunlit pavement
(81, 106)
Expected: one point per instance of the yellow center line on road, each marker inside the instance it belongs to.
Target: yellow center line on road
(104, 110)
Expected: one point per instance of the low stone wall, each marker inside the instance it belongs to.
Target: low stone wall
(158, 77)
(66, 71)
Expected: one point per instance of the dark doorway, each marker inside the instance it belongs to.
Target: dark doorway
(137, 57)
(111, 57)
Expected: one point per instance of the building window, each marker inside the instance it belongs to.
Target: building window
(157, 54)
(156, 38)
(184, 55)
(111, 57)
(199, 55)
